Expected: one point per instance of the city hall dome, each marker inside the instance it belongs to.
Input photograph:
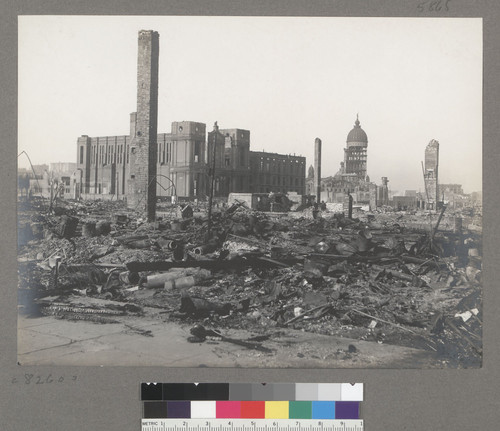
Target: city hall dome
(357, 134)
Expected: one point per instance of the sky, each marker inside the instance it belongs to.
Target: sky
(288, 80)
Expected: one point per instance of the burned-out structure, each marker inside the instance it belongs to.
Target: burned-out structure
(431, 166)
(145, 164)
(183, 164)
(355, 152)
(352, 176)
(278, 173)
(383, 192)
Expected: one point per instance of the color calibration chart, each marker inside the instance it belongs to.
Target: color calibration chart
(251, 406)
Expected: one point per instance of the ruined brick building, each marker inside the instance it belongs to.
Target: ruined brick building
(147, 163)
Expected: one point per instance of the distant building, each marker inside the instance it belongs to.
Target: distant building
(352, 176)
(232, 160)
(355, 152)
(402, 203)
(447, 190)
(278, 173)
(60, 178)
(453, 195)
(184, 163)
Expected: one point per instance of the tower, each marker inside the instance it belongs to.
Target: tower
(143, 151)
(355, 152)
(431, 174)
(384, 192)
(317, 169)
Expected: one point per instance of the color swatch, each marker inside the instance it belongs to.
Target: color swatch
(251, 409)
(251, 400)
(252, 391)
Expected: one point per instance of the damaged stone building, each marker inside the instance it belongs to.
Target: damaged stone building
(431, 174)
(352, 176)
(180, 164)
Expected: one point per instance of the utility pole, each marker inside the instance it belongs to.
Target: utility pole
(212, 181)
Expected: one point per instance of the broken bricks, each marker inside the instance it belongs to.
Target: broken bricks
(264, 271)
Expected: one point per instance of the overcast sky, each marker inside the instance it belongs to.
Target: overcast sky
(287, 80)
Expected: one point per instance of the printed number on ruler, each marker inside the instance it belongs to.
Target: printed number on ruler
(252, 425)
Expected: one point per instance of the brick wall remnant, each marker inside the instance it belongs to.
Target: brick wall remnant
(431, 174)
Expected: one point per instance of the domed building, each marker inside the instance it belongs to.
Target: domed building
(352, 176)
(355, 151)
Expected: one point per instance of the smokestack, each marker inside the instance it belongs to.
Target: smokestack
(317, 169)
(144, 124)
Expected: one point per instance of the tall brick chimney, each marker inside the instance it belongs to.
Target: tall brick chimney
(317, 169)
(142, 181)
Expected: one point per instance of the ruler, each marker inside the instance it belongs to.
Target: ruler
(252, 425)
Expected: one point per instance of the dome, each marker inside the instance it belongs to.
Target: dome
(357, 134)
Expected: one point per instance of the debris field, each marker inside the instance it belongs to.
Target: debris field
(404, 278)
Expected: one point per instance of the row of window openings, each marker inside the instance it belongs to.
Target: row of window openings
(282, 161)
(294, 169)
(106, 155)
(165, 152)
(268, 159)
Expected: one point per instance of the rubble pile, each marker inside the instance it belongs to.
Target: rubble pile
(387, 277)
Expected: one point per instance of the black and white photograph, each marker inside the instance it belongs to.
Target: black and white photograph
(250, 192)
